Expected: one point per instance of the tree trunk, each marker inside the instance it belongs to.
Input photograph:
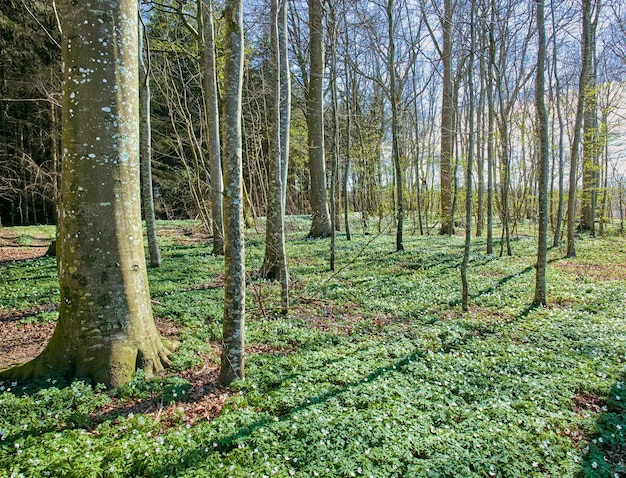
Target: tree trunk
(105, 329)
(490, 128)
(146, 151)
(470, 160)
(209, 84)
(543, 159)
(232, 362)
(275, 262)
(395, 127)
(557, 86)
(589, 193)
(320, 226)
(580, 110)
(447, 123)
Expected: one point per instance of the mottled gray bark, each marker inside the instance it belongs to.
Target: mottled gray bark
(105, 328)
(320, 226)
(232, 361)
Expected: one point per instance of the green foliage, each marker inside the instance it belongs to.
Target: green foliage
(375, 372)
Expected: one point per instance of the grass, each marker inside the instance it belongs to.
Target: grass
(375, 372)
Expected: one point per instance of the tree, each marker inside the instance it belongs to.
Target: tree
(448, 102)
(232, 361)
(209, 84)
(275, 261)
(470, 161)
(543, 157)
(585, 72)
(591, 167)
(105, 328)
(320, 226)
(146, 149)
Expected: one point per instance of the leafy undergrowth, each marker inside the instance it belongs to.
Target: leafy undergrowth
(375, 372)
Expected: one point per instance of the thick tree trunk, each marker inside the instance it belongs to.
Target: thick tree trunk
(105, 329)
(320, 226)
(232, 362)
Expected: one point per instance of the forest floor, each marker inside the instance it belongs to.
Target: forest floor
(375, 371)
(22, 340)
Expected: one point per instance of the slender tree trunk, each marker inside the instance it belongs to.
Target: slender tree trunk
(211, 100)
(559, 113)
(395, 127)
(470, 161)
(447, 122)
(275, 262)
(320, 226)
(146, 150)
(346, 165)
(543, 158)
(335, 116)
(490, 128)
(232, 363)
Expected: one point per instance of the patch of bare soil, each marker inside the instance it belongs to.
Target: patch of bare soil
(21, 342)
(588, 402)
(601, 272)
(11, 250)
(204, 400)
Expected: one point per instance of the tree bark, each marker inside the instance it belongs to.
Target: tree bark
(470, 161)
(232, 360)
(589, 193)
(146, 151)
(543, 158)
(580, 110)
(105, 329)
(320, 226)
(275, 261)
(209, 84)
(447, 123)
(395, 127)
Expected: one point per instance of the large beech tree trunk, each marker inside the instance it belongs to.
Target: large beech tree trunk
(105, 329)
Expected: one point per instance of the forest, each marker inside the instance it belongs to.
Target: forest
(323, 238)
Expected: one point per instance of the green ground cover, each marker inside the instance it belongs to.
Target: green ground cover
(375, 372)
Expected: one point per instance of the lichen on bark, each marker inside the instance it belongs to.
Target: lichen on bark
(105, 329)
